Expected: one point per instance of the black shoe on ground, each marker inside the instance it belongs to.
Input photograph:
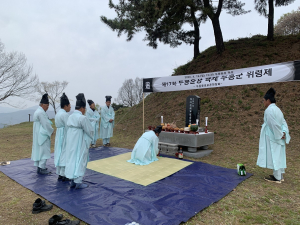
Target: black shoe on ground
(60, 177)
(44, 171)
(280, 180)
(54, 219)
(271, 178)
(68, 222)
(40, 206)
(65, 179)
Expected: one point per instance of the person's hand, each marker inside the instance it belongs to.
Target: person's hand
(283, 137)
(111, 120)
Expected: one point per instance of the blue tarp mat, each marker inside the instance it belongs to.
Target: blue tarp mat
(110, 200)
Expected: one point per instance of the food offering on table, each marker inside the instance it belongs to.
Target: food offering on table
(194, 128)
(186, 130)
(171, 127)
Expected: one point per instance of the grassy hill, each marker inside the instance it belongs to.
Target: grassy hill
(235, 115)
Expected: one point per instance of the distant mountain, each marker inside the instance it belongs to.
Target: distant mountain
(7, 109)
(20, 116)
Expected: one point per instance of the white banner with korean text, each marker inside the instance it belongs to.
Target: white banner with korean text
(280, 72)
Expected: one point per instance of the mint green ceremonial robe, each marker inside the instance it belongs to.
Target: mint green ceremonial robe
(145, 150)
(79, 136)
(272, 153)
(42, 131)
(106, 128)
(94, 118)
(61, 119)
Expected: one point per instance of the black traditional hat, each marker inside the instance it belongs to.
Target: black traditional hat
(45, 99)
(108, 98)
(64, 101)
(158, 129)
(270, 95)
(80, 100)
(90, 102)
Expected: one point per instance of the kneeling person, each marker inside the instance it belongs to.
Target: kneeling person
(146, 148)
(79, 137)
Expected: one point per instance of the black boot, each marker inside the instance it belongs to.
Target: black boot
(40, 206)
(68, 222)
(54, 219)
(60, 177)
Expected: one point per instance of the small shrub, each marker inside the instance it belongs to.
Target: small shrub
(205, 100)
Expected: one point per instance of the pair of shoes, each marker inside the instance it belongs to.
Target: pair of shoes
(40, 206)
(271, 178)
(43, 171)
(60, 177)
(57, 220)
(108, 144)
(93, 146)
(81, 186)
(275, 178)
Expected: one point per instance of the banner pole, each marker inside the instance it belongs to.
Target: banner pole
(143, 114)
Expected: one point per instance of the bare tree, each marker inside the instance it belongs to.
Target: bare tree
(54, 90)
(138, 89)
(16, 79)
(131, 92)
(288, 24)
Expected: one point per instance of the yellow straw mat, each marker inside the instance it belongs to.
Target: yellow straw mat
(118, 166)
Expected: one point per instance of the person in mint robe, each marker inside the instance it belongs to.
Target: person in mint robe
(94, 117)
(42, 131)
(61, 119)
(146, 148)
(107, 122)
(274, 136)
(79, 137)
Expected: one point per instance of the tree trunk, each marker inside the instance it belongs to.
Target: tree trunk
(271, 21)
(196, 34)
(218, 34)
(196, 41)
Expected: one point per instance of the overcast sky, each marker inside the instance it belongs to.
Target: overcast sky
(65, 40)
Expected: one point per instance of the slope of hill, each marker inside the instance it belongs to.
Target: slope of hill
(244, 52)
(226, 107)
(235, 114)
